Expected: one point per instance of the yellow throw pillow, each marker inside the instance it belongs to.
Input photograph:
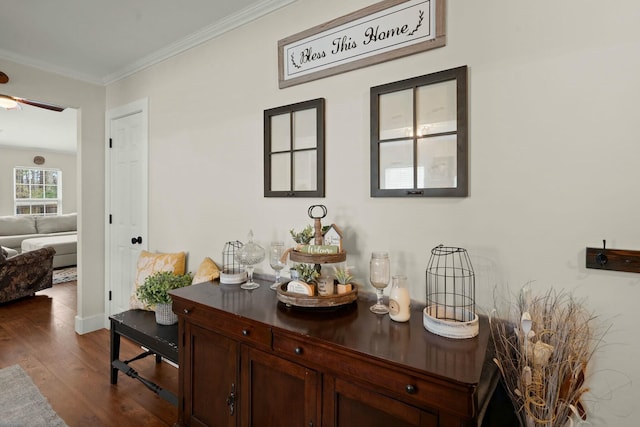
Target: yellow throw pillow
(150, 263)
(208, 271)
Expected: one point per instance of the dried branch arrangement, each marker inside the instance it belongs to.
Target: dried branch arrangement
(543, 345)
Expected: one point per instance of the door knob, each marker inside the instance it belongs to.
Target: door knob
(135, 240)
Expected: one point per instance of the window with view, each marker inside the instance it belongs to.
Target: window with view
(37, 191)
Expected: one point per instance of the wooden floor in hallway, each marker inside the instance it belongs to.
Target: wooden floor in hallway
(72, 371)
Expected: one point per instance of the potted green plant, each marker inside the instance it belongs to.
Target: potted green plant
(304, 279)
(307, 273)
(303, 237)
(344, 279)
(155, 292)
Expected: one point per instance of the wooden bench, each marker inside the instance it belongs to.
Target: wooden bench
(161, 341)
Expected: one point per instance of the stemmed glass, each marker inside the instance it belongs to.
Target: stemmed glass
(379, 275)
(250, 255)
(276, 249)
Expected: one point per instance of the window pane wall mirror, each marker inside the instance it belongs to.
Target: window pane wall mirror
(294, 150)
(419, 136)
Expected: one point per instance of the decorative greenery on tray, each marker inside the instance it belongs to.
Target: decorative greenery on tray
(342, 275)
(304, 237)
(307, 273)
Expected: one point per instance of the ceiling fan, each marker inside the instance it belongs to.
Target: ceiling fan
(9, 102)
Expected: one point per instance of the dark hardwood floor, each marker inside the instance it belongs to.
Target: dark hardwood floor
(72, 371)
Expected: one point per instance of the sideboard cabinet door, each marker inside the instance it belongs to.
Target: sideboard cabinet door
(211, 389)
(277, 392)
(348, 404)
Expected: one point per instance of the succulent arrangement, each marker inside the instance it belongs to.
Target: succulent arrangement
(307, 273)
(303, 237)
(156, 286)
(342, 275)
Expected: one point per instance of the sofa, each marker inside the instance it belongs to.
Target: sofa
(29, 232)
(25, 274)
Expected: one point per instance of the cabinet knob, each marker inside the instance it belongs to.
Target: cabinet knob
(245, 332)
(186, 311)
(410, 389)
(298, 350)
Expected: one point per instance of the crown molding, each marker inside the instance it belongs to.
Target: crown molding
(218, 28)
(45, 66)
(230, 23)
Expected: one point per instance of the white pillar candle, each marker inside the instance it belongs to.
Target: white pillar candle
(399, 300)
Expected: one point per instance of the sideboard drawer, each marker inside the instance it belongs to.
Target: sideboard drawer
(236, 327)
(298, 350)
(429, 393)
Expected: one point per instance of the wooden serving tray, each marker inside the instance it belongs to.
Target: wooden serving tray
(296, 256)
(322, 302)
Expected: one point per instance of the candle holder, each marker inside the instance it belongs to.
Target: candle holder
(451, 287)
(232, 272)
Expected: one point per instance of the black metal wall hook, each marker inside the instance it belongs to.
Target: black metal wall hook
(613, 259)
(601, 258)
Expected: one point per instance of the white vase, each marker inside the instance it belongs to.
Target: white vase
(164, 315)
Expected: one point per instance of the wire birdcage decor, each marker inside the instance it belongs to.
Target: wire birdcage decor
(451, 293)
(232, 271)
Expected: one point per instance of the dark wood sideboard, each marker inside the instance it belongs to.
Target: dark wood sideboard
(247, 360)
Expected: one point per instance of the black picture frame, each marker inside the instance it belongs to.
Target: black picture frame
(287, 178)
(451, 134)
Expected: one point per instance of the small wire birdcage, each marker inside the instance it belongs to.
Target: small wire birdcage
(451, 287)
(232, 271)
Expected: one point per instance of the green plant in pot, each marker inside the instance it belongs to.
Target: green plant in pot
(342, 275)
(303, 237)
(344, 279)
(155, 292)
(307, 273)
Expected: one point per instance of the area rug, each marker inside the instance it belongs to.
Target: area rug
(63, 275)
(22, 404)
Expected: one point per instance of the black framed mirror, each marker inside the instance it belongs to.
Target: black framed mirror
(294, 150)
(419, 136)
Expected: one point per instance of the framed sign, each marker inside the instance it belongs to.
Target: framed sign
(381, 32)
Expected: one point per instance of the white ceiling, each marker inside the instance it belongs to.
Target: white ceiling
(102, 42)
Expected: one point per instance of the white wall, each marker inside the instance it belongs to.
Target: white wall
(15, 157)
(89, 100)
(553, 156)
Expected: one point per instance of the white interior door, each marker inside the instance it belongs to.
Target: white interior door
(127, 201)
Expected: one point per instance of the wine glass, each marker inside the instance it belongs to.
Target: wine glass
(249, 255)
(379, 274)
(276, 249)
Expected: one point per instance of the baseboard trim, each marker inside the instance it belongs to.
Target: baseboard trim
(89, 324)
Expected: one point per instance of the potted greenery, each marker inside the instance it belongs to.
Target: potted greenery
(303, 237)
(304, 279)
(307, 273)
(344, 279)
(154, 292)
